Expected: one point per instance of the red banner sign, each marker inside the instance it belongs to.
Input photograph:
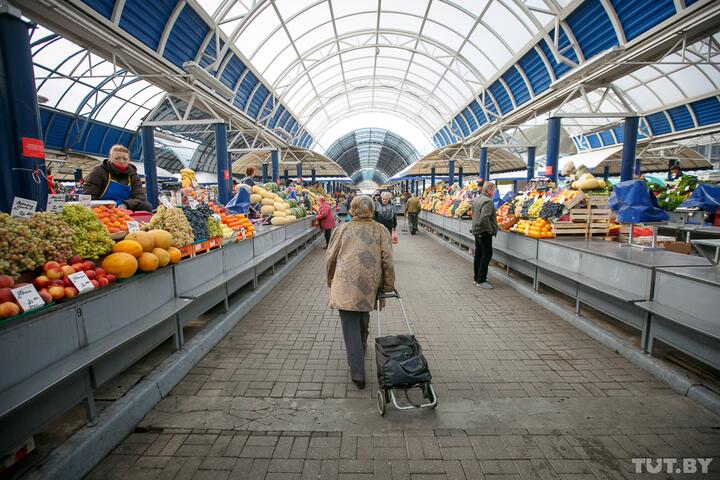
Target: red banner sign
(226, 175)
(549, 170)
(33, 147)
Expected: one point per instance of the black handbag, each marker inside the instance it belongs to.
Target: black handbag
(400, 362)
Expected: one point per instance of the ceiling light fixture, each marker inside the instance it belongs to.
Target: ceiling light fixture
(199, 74)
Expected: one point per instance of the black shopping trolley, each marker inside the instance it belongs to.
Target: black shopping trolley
(401, 366)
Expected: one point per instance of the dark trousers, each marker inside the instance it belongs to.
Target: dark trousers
(355, 328)
(483, 254)
(412, 218)
(327, 233)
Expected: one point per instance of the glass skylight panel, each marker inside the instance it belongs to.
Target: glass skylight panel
(355, 23)
(307, 20)
(442, 35)
(397, 21)
(342, 7)
(210, 6)
(284, 58)
(691, 80)
(270, 48)
(312, 39)
(288, 8)
(256, 32)
(488, 43)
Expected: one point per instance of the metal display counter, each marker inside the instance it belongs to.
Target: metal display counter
(59, 356)
(641, 288)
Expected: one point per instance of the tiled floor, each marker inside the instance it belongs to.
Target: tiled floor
(522, 394)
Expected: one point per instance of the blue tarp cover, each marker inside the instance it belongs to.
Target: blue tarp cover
(634, 203)
(705, 197)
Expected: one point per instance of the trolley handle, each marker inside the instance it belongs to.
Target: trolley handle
(393, 294)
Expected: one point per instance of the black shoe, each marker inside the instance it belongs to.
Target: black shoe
(359, 383)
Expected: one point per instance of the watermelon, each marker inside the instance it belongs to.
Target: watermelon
(292, 203)
(271, 186)
(281, 194)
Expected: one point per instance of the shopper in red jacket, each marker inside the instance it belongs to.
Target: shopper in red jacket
(326, 220)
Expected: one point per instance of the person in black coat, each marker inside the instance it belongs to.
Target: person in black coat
(117, 179)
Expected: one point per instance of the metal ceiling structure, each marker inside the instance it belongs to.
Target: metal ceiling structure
(372, 154)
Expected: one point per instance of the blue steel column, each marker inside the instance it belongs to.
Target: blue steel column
(514, 186)
(299, 170)
(531, 163)
(264, 173)
(275, 164)
(19, 115)
(77, 173)
(286, 175)
(630, 131)
(553, 148)
(148, 154)
(638, 164)
(460, 175)
(222, 163)
(451, 172)
(483, 173)
(432, 176)
(312, 176)
(606, 172)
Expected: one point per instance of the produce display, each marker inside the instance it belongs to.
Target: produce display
(231, 223)
(675, 193)
(114, 219)
(54, 235)
(449, 201)
(91, 239)
(273, 204)
(187, 177)
(198, 220)
(19, 249)
(173, 221)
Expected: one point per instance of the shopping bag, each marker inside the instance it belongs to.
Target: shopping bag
(240, 203)
(394, 237)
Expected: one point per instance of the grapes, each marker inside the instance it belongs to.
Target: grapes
(91, 240)
(198, 221)
(173, 221)
(19, 249)
(55, 236)
(214, 229)
(552, 210)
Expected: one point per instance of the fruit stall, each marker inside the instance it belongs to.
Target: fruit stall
(88, 290)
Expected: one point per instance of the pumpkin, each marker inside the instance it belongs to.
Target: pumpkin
(148, 262)
(128, 246)
(143, 238)
(255, 198)
(121, 264)
(175, 254)
(267, 210)
(163, 256)
(163, 238)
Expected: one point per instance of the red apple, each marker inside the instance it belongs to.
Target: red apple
(6, 281)
(95, 283)
(56, 292)
(100, 272)
(103, 282)
(41, 282)
(71, 292)
(57, 282)
(50, 265)
(6, 295)
(67, 270)
(54, 273)
(89, 264)
(90, 274)
(9, 309)
(75, 259)
(78, 267)
(47, 298)
(111, 278)
(67, 282)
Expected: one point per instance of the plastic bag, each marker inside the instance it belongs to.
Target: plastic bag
(634, 203)
(348, 217)
(705, 197)
(240, 203)
(394, 237)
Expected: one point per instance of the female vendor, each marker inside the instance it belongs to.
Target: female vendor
(117, 180)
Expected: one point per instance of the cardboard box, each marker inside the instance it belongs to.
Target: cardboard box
(678, 247)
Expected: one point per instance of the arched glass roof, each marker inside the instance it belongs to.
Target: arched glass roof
(372, 154)
(422, 59)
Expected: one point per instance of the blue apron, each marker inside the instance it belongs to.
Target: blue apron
(116, 191)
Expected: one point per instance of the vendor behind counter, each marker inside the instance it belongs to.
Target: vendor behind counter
(117, 179)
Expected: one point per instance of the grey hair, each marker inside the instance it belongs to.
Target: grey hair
(489, 187)
(385, 196)
(362, 206)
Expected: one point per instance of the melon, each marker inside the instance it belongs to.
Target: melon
(147, 262)
(163, 256)
(279, 213)
(267, 201)
(163, 238)
(292, 203)
(281, 194)
(267, 210)
(128, 246)
(280, 206)
(175, 254)
(121, 264)
(279, 221)
(256, 189)
(255, 198)
(266, 194)
(271, 186)
(291, 218)
(143, 238)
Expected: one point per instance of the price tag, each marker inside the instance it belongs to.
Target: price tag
(85, 200)
(81, 282)
(27, 297)
(242, 232)
(193, 203)
(216, 217)
(55, 203)
(133, 226)
(166, 201)
(23, 208)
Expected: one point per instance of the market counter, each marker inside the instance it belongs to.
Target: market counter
(62, 354)
(621, 281)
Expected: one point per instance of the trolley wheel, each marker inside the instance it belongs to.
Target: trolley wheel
(381, 403)
(429, 394)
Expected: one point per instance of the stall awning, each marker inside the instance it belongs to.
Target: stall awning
(289, 158)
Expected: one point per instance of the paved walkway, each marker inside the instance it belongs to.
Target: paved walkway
(522, 394)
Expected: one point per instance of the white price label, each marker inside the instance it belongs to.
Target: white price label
(23, 208)
(27, 297)
(216, 217)
(242, 232)
(85, 200)
(166, 201)
(81, 282)
(193, 203)
(55, 203)
(133, 226)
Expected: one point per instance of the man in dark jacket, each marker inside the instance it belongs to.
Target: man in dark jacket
(484, 227)
(117, 179)
(412, 210)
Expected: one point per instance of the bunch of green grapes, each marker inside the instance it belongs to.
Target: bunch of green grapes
(54, 235)
(172, 220)
(91, 240)
(19, 249)
(214, 229)
(536, 206)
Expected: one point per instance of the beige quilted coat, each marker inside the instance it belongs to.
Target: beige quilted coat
(358, 263)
